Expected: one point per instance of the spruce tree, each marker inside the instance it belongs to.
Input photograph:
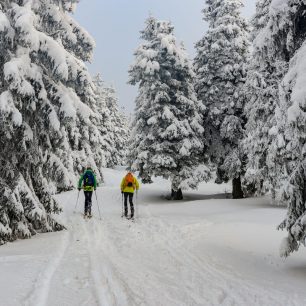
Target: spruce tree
(167, 129)
(261, 18)
(287, 42)
(119, 132)
(220, 64)
(47, 110)
(262, 95)
(112, 126)
(104, 123)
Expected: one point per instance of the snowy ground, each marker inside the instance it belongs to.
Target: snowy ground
(207, 250)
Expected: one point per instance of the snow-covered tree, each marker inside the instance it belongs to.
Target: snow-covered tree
(104, 124)
(265, 72)
(220, 63)
(113, 125)
(47, 112)
(119, 131)
(286, 37)
(167, 130)
(261, 17)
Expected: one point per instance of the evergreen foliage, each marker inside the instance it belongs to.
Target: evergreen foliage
(220, 67)
(262, 95)
(287, 35)
(167, 130)
(113, 125)
(276, 127)
(47, 111)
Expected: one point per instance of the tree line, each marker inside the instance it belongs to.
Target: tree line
(237, 109)
(55, 119)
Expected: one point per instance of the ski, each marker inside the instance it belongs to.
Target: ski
(128, 218)
(87, 217)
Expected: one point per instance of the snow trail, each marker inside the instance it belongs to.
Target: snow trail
(40, 292)
(148, 262)
(107, 287)
(73, 284)
(175, 253)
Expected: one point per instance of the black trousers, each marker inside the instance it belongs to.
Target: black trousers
(88, 196)
(128, 195)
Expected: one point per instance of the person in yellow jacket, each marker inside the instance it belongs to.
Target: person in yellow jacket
(128, 186)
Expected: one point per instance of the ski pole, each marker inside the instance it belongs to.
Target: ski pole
(76, 205)
(98, 205)
(122, 206)
(136, 203)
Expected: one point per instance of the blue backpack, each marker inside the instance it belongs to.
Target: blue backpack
(88, 179)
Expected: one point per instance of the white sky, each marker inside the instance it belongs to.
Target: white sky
(115, 26)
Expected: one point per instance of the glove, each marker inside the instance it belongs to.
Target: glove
(79, 189)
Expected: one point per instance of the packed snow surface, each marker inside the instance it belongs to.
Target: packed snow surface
(205, 250)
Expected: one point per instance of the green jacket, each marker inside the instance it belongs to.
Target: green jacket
(81, 182)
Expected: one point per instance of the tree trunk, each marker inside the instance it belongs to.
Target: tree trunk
(237, 189)
(176, 195)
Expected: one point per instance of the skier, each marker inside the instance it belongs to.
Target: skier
(128, 186)
(89, 182)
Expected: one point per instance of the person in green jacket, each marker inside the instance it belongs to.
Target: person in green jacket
(128, 186)
(88, 182)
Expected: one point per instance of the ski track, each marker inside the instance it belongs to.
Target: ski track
(40, 291)
(207, 285)
(109, 287)
(73, 284)
(222, 285)
(120, 263)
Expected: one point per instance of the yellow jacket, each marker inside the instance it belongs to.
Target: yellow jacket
(128, 189)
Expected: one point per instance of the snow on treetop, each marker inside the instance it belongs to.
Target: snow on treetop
(295, 81)
(84, 35)
(7, 107)
(16, 72)
(4, 22)
(278, 6)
